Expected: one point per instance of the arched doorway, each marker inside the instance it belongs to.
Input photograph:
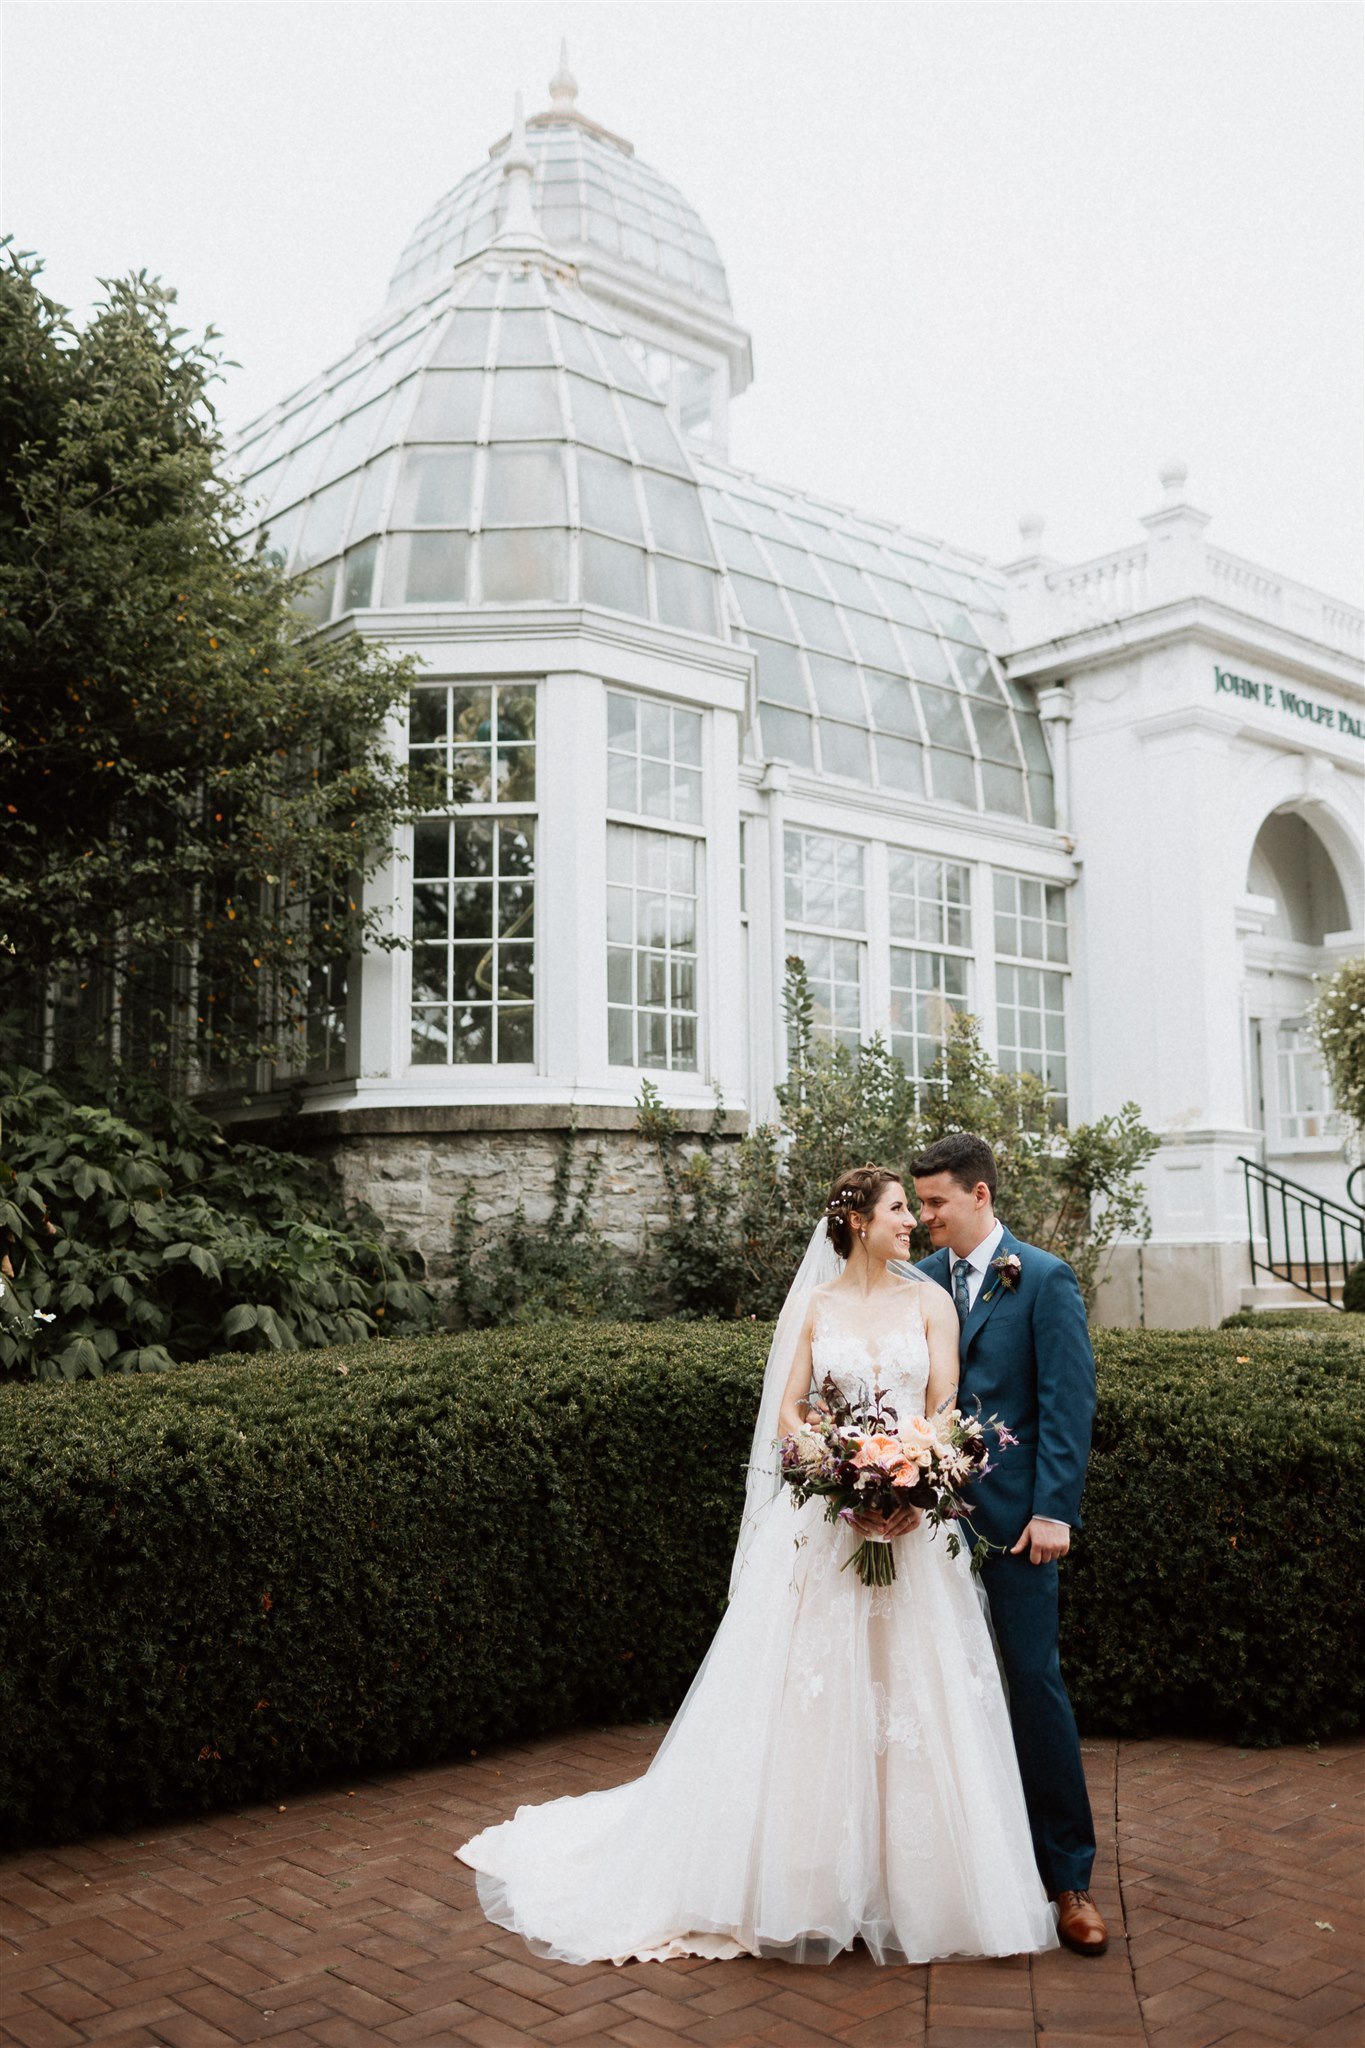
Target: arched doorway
(1297, 925)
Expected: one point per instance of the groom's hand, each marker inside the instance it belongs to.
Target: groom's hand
(1045, 1542)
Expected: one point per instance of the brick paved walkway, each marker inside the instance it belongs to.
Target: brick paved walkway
(1232, 1880)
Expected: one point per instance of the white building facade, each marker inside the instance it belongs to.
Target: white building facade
(676, 722)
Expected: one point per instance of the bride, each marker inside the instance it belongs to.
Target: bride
(842, 1767)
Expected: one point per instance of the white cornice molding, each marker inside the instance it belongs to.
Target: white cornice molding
(558, 638)
(1184, 722)
(819, 805)
(1203, 619)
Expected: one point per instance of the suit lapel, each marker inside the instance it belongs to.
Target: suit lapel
(983, 1308)
(938, 1266)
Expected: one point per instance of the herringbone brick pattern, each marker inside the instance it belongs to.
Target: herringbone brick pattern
(1244, 1892)
(342, 1918)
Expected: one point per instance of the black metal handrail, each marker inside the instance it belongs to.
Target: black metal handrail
(1340, 1235)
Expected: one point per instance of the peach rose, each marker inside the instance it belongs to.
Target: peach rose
(883, 1451)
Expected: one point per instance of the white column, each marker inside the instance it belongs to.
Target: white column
(723, 1020)
(760, 993)
(1057, 708)
(571, 884)
(983, 960)
(377, 1011)
(776, 780)
(877, 913)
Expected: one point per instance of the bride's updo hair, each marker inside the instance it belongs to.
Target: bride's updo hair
(855, 1193)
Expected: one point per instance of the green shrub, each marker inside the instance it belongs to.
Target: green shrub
(1278, 1319)
(1353, 1292)
(150, 1239)
(229, 1580)
(1216, 1585)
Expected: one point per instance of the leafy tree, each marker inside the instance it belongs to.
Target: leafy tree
(191, 785)
(136, 1236)
(1338, 1024)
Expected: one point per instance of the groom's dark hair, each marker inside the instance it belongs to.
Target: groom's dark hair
(966, 1158)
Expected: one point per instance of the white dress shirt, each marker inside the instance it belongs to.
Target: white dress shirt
(979, 1262)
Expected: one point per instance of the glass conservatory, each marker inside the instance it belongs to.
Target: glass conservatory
(674, 724)
(678, 722)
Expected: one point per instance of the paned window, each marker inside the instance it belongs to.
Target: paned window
(473, 890)
(684, 386)
(1030, 919)
(826, 905)
(326, 1028)
(651, 949)
(931, 901)
(931, 918)
(1303, 1087)
(653, 759)
(927, 991)
(1031, 1018)
(473, 743)
(1030, 925)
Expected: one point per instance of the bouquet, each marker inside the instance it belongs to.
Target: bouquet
(861, 1460)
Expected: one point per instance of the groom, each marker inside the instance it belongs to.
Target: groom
(1025, 1357)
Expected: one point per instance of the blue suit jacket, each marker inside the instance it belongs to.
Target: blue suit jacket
(1026, 1358)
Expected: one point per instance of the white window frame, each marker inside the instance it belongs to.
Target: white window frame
(492, 811)
(1008, 1053)
(667, 827)
(839, 934)
(941, 950)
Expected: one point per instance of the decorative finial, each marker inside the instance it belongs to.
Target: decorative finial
(1031, 530)
(519, 224)
(563, 86)
(1174, 476)
(518, 156)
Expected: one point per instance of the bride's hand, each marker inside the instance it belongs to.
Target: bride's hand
(890, 1526)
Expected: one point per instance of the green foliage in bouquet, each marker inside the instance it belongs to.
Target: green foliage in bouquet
(148, 1239)
(1337, 1019)
(191, 779)
(233, 1579)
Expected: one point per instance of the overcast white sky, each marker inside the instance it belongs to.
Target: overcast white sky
(994, 257)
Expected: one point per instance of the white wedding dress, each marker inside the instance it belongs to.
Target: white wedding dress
(842, 1765)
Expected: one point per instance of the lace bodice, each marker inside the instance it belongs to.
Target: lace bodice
(873, 1347)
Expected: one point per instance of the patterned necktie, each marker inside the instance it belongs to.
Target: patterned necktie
(961, 1268)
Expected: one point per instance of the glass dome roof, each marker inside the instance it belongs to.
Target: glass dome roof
(592, 195)
(498, 446)
(495, 443)
(872, 656)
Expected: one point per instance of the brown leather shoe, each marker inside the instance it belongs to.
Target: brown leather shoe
(1079, 1924)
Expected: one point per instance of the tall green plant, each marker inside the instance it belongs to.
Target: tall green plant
(147, 1238)
(740, 1219)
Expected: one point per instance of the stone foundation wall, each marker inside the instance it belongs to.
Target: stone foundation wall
(413, 1168)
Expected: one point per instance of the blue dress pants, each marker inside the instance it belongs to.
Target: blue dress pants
(1023, 1602)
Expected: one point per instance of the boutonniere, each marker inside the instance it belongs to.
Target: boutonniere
(1008, 1266)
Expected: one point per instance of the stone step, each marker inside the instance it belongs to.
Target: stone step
(1279, 1294)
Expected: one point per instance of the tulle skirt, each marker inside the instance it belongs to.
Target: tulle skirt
(841, 1768)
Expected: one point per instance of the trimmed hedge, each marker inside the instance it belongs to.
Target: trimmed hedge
(227, 1581)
